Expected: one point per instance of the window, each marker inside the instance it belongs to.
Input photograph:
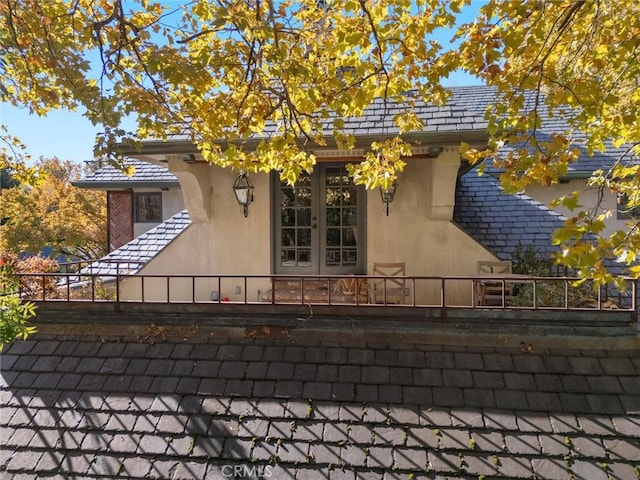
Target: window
(624, 212)
(148, 207)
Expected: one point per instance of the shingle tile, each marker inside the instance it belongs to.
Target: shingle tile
(487, 429)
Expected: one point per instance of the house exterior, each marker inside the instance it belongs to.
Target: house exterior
(136, 203)
(325, 225)
(443, 221)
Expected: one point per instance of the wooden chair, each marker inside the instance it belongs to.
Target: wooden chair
(494, 266)
(491, 293)
(391, 289)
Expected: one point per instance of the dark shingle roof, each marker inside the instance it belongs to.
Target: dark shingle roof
(462, 119)
(460, 116)
(377, 119)
(167, 406)
(133, 256)
(478, 98)
(502, 222)
(146, 175)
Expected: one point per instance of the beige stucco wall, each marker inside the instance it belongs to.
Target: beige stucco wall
(418, 232)
(588, 200)
(219, 241)
(428, 246)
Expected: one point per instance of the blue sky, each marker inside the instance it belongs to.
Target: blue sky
(63, 134)
(70, 136)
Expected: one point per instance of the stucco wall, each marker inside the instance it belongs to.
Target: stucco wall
(418, 232)
(226, 244)
(428, 247)
(588, 200)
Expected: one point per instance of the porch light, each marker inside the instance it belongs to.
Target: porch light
(387, 194)
(243, 189)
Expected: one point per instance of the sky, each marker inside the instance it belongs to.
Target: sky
(70, 136)
(62, 134)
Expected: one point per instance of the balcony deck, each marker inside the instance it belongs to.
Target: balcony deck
(432, 305)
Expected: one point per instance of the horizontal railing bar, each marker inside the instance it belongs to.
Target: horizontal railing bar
(507, 279)
(304, 287)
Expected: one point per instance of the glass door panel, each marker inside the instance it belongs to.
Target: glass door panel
(296, 239)
(341, 222)
(317, 226)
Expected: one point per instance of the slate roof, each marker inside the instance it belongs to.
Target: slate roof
(479, 98)
(146, 175)
(502, 222)
(196, 407)
(463, 115)
(133, 256)
(377, 119)
(457, 117)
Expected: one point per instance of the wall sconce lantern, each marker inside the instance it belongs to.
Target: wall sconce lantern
(387, 195)
(243, 189)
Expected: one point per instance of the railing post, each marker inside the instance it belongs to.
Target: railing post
(117, 283)
(413, 292)
(634, 300)
(474, 294)
(273, 290)
(384, 291)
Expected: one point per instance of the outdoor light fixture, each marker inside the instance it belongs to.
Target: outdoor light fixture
(387, 194)
(243, 189)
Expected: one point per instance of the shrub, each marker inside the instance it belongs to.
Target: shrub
(14, 313)
(549, 293)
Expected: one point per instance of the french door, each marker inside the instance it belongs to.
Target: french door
(319, 224)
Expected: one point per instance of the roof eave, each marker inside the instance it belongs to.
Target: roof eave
(125, 184)
(175, 147)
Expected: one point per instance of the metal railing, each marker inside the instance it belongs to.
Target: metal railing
(117, 284)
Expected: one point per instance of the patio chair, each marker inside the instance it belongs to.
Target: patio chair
(494, 266)
(489, 293)
(390, 289)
